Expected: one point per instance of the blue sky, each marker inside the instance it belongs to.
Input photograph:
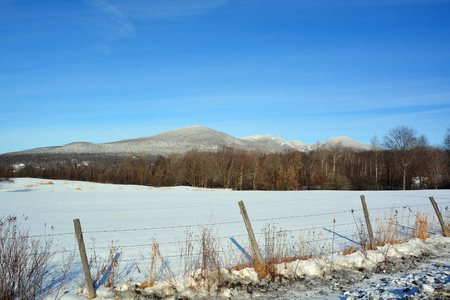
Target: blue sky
(106, 70)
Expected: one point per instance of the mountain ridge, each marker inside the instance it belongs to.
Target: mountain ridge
(181, 140)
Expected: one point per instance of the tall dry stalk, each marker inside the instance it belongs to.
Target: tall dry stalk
(388, 231)
(113, 266)
(421, 226)
(277, 249)
(209, 262)
(158, 269)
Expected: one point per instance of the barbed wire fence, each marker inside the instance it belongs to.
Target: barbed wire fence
(325, 232)
(317, 235)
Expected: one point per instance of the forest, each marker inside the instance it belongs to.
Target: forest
(403, 161)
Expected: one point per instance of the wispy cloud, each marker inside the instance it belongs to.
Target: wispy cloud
(118, 16)
(163, 9)
(111, 19)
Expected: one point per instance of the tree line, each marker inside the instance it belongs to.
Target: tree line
(403, 160)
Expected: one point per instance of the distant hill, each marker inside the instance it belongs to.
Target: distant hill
(177, 141)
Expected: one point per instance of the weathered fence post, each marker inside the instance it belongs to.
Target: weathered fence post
(438, 213)
(369, 226)
(248, 225)
(84, 261)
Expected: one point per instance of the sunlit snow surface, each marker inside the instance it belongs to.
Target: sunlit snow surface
(131, 216)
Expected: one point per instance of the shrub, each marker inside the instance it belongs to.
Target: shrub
(338, 182)
(24, 261)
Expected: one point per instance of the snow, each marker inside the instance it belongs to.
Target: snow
(131, 216)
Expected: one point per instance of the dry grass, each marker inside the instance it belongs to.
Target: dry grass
(199, 263)
(113, 265)
(158, 268)
(388, 232)
(202, 258)
(209, 262)
(348, 251)
(396, 229)
(103, 265)
(281, 247)
(152, 269)
(421, 226)
(277, 249)
(38, 184)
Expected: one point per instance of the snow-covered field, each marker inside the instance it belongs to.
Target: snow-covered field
(130, 217)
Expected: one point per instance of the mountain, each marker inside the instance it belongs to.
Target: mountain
(273, 144)
(339, 141)
(268, 143)
(179, 141)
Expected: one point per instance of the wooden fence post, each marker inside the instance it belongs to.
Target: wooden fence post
(369, 226)
(248, 225)
(438, 213)
(84, 261)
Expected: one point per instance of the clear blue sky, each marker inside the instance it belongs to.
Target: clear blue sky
(106, 70)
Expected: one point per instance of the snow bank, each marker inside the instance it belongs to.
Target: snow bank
(323, 268)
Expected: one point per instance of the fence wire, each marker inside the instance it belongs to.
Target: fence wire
(177, 242)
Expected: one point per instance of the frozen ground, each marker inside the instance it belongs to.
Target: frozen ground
(131, 216)
(409, 276)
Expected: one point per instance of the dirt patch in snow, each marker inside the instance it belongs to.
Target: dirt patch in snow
(425, 276)
(415, 277)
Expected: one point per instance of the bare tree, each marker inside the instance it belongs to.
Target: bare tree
(447, 139)
(320, 169)
(403, 142)
(5, 173)
(435, 166)
(337, 151)
(376, 147)
(447, 150)
(227, 166)
(197, 167)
